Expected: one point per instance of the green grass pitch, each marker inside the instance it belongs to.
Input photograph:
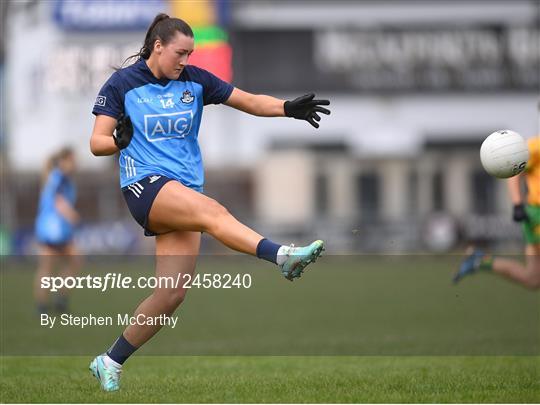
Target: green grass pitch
(279, 379)
(354, 329)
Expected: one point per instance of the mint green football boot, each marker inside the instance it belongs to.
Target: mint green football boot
(297, 258)
(107, 375)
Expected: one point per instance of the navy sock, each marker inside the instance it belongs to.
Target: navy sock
(61, 304)
(42, 309)
(121, 350)
(267, 250)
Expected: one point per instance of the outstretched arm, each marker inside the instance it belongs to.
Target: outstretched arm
(256, 104)
(302, 108)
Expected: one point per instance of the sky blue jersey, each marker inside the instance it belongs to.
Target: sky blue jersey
(51, 227)
(166, 116)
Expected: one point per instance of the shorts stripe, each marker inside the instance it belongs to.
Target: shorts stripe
(138, 186)
(134, 190)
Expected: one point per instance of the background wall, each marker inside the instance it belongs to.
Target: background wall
(415, 87)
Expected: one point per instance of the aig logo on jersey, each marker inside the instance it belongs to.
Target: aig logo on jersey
(160, 127)
(100, 101)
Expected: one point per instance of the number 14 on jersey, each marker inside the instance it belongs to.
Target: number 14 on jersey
(167, 103)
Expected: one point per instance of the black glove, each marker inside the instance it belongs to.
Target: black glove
(519, 213)
(123, 131)
(305, 108)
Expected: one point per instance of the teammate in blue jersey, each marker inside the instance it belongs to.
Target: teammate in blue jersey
(151, 111)
(54, 227)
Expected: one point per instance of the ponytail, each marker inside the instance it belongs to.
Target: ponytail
(50, 164)
(53, 161)
(163, 28)
(148, 45)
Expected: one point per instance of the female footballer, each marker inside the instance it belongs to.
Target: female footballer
(151, 111)
(528, 214)
(54, 227)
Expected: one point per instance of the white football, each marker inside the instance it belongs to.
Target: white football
(504, 154)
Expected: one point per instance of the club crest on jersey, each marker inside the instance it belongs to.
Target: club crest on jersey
(187, 97)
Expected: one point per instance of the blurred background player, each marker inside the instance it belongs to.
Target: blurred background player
(528, 214)
(156, 106)
(54, 227)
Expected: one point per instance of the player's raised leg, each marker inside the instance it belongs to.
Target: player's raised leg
(177, 207)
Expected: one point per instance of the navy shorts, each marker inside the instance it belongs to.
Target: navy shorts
(59, 247)
(140, 196)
